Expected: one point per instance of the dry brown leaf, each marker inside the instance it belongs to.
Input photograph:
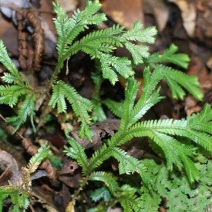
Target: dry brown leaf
(8, 164)
(68, 174)
(188, 10)
(44, 195)
(124, 12)
(99, 130)
(68, 5)
(159, 10)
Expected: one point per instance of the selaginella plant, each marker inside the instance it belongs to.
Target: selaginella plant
(136, 184)
(20, 191)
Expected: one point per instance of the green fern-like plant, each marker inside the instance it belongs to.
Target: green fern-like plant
(176, 141)
(20, 194)
(15, 90)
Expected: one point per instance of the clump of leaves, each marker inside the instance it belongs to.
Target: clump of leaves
(176, 141)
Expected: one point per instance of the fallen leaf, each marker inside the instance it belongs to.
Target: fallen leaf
(188, 11)
(124, 12)
(9, 165)
(159, 10)
(68, 5)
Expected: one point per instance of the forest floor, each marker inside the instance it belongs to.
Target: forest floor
(186, 23)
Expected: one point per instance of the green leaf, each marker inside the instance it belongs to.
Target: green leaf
(80, 105)
(7, 62)
(98, 114)
(36, 159)
(8, 78)
(69, 28)
(130, 95)
(137, 33)
(149, 201)
(95, 43)
(77, 152)
(141, 107)
(115, 107)
(120, 65)
(201, 122)
(169, 55)
(101, 193)
(107, 178)
(26, 110)
(127, 164)
(10, 94)
(128, 198)
(177, 80)
(138, 52)
(58, 99)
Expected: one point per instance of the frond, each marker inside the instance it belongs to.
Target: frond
(8, 78)
(141, 107)
(89, 16)
(98, 114)
(36, 159)
(26, 110)
(161, 132)
(177, 154)
(7, 62)
(128, 198)
(127, 163)
(9, 94)
(77, 152)
(19, 200)
(138, 52)
(107, 178)
(150, 82)
(132, 113)
(69, 28)
(58, 99)
(101, 193)
(169, 55)
(94, 42)
(202, 121)
(98, 157)
(177, 80)
(130, 95)
(111, 64)
(180, 128)
(137, 33)
(115, 107)
(97, 80)
(149, 201)
(3, 195)
(80, 105)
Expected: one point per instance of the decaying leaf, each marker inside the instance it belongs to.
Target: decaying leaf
(68, 6)
(10, 168)
(124, 12)
(159, 10)
(68, 174)
(189, 14)
(99, 130)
